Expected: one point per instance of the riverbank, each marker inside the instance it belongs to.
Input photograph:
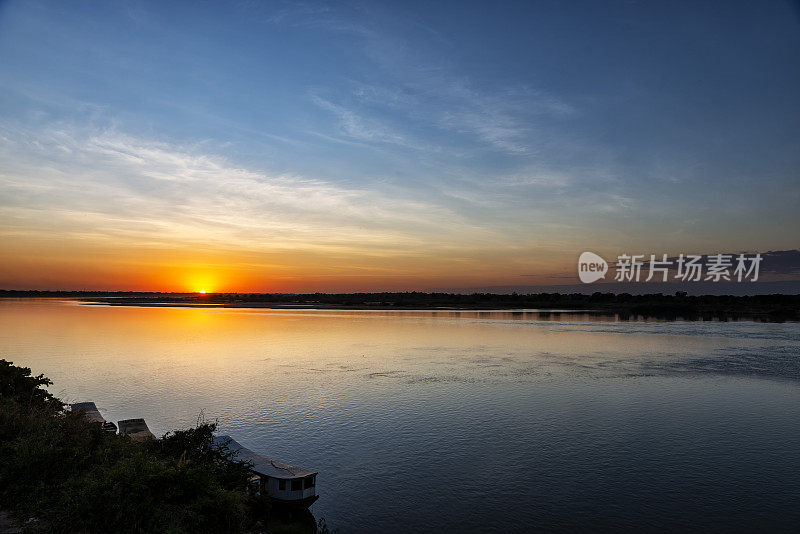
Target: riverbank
(623, 306)
(62, 472)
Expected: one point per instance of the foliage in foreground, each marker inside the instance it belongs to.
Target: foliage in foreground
(73, 477)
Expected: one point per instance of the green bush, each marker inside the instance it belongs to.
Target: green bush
(73, 477)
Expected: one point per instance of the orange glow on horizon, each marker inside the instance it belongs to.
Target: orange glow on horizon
(66, 265)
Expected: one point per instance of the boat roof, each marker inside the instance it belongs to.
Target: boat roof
(261, 464)
(89, 410)
(135, 428)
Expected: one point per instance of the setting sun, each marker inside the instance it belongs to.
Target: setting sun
(198, 280)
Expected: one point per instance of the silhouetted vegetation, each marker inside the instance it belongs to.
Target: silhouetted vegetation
(775, 307)
(69, 475)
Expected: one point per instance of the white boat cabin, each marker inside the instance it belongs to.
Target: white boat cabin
(283, 483)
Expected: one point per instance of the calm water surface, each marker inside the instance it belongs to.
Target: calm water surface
(460, 421)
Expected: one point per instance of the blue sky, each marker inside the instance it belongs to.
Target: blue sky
(402, 141)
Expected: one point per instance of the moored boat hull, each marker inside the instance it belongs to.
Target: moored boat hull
(294, 503)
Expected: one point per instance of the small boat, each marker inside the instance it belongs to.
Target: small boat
(136, 429)
(90, 411)
(285, 485)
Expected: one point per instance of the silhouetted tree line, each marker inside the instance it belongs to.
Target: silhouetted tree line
(775, 307)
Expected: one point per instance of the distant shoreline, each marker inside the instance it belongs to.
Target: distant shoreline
(317, 307)
(768, 308)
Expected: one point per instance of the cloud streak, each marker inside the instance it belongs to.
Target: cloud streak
(118, 186)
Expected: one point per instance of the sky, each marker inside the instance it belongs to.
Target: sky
(365, 146)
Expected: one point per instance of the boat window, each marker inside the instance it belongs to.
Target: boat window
(297, 484)
(281, 484)
(309, 482)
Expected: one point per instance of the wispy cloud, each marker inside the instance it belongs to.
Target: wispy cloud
(358, 127)
(425, 93)
(505, 120)
(116, 186)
